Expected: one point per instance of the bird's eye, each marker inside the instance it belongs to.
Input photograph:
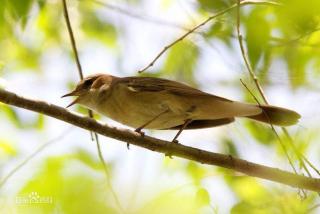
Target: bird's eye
(87, 83)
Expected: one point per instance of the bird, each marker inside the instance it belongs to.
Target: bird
(162, 104)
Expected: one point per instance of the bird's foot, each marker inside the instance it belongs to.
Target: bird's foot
(138, 130)
(174, 141)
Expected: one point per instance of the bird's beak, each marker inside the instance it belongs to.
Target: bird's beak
(72, 93)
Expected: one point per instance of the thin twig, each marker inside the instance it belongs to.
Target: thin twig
(73, 41)
(258, 86)
(255, 79)
(94, 136)
(284, 148)
(220, 13)
(299, 155)
(245, 58)
(32, 155)
(273, 129)
(107, 173)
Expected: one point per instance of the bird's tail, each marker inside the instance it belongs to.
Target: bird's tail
(276, 116)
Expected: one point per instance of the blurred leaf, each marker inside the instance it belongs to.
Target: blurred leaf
(277, 203)
(2, 12)
(11, 114)
(222, 30)
(261, 132)
(41, 3)
(229, 147)
(196, 172)
(257, 35)
(297, 60)
(214, 5)
(170, 202)
(7, 148)
(89, 160)
(297, 17)
(72, 189)
(181, 61)
(248, 188)
(49, 22)
(203, 197)
(263, 72)
(22, 55)
(39, 124)
(95, 27)
(19, 10)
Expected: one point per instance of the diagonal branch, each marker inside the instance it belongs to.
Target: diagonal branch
(161, 146)
(72, 39)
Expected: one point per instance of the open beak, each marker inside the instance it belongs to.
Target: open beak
(72, 93)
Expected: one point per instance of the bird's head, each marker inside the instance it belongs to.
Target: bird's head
(88, 89)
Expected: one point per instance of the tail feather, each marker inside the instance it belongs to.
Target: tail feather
(276, 116)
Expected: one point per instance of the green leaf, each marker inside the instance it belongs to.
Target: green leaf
(98, 28)
(261, 132)
(257, 34)
(2, 12)
(11, 114)
(171, 202)
(49, 22)
(229, 147)
(39, 124)
(41, 3)
(248, 188)
(214, 5)
(19, 10)
(222, 30)
(71, 189)
(7, 148)
(203, 197)
(88, 160)
(196, 172)
(297, 17)
(181, 61)
(297, 60)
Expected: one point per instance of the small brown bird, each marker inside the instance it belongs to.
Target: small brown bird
(155, 103)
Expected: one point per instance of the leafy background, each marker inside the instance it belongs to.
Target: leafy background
(121, 37)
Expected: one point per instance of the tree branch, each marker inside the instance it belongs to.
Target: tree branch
(166, 147)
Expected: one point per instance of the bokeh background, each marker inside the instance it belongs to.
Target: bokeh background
(59, 163)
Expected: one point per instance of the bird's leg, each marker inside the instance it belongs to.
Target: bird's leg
(150, 121)
(147, 123)
(181, 129)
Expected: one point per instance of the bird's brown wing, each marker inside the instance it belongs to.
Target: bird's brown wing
(152, 84)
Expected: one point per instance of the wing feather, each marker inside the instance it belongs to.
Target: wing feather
(153, 84)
